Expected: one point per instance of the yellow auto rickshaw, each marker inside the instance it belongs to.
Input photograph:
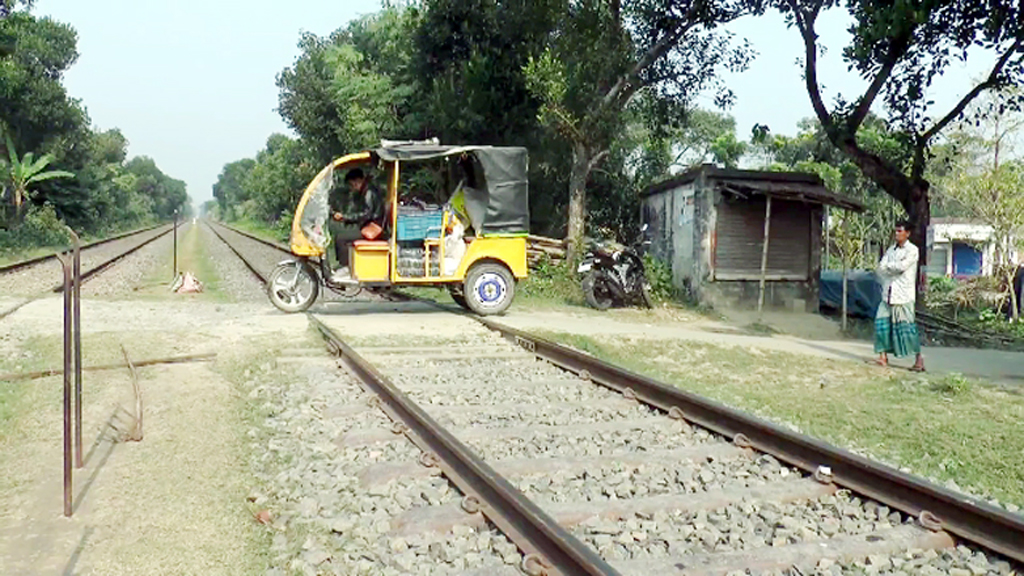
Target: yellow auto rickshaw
(474, 243)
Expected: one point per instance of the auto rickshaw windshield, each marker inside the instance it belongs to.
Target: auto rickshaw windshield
(317, 210)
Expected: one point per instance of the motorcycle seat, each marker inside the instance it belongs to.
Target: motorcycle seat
(370, 243)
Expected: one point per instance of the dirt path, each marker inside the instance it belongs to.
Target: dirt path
(174, 503)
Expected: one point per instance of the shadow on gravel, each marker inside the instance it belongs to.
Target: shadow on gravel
(112, 433)
(366, 308)
(69, 568)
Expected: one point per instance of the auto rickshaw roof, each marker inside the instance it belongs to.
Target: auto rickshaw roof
(499, 203)
(390, 151)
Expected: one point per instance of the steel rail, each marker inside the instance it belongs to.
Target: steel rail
(271, 243)
(934, 506)
(248, 264)
(85, 276)
(108, 263)
(548, 546)
(29, 262)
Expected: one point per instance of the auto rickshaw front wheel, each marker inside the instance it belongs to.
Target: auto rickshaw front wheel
(489, 288)
(293, 286)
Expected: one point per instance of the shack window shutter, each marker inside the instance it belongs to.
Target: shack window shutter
(740, 233)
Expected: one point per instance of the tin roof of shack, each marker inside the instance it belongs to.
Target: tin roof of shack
(797, 186)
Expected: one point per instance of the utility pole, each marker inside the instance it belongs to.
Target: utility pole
(175, 243)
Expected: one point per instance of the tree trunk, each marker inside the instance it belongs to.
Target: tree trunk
(919, 209)
(577, 200)
(1014, 306)
(910, 191)
(1014, 302)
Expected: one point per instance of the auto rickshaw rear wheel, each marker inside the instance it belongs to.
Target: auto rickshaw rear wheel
(293, 286)
(489, 288)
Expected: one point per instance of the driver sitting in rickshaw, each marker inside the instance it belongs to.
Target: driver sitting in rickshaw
(370, 221)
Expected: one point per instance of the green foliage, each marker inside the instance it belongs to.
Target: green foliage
(952, 384)
(34, 105)
(39, 227)
(21, 173)
(266, 188)
(282, 229)
(941, 285)
(230, 189)
(166, 194)
(857, 237)
(557, 282)
(664, 52)
(659, 275)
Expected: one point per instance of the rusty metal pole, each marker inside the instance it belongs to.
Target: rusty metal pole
(77, 331)
(66, 263)
(175, 244)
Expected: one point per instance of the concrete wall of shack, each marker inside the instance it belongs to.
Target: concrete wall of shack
(682, 223)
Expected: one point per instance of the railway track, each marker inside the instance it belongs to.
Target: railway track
(499, 452)
(36, 277)
(7, 268)
(260, 256)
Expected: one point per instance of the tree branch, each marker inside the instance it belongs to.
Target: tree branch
(597, 159)
(990, 82)
(864, 106)
(805, 25)
(625, 86)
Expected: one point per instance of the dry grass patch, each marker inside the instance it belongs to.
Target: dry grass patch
(174, 503)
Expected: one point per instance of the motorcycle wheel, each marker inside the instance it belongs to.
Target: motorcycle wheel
(645, 294)
(596, 292)
(293, 286)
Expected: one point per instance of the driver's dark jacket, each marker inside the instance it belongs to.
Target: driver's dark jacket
(371, 206)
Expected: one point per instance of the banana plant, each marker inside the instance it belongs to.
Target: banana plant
(27, 171)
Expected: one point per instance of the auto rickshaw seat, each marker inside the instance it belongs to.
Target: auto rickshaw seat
(370, 243)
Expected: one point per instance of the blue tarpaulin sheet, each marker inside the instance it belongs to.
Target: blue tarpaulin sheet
(863, 291)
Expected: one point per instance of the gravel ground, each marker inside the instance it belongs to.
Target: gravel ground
(324, 522)
(126, 276)
(45, 275)
(545, 408)
(613, 481)
(263, 257)
(236, 279)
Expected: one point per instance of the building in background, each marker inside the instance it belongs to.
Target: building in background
(708, 224)
(961, 248)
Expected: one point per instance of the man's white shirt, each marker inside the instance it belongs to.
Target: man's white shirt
(897, 272)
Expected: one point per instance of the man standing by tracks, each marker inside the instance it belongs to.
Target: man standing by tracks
(895, 330)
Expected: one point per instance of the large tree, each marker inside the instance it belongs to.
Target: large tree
(604, 53)
(230, 189)
(351, 89)
(899, 49)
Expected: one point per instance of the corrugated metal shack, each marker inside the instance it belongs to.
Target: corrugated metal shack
(710, 224)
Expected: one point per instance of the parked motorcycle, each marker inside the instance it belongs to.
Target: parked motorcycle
(614, 275)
